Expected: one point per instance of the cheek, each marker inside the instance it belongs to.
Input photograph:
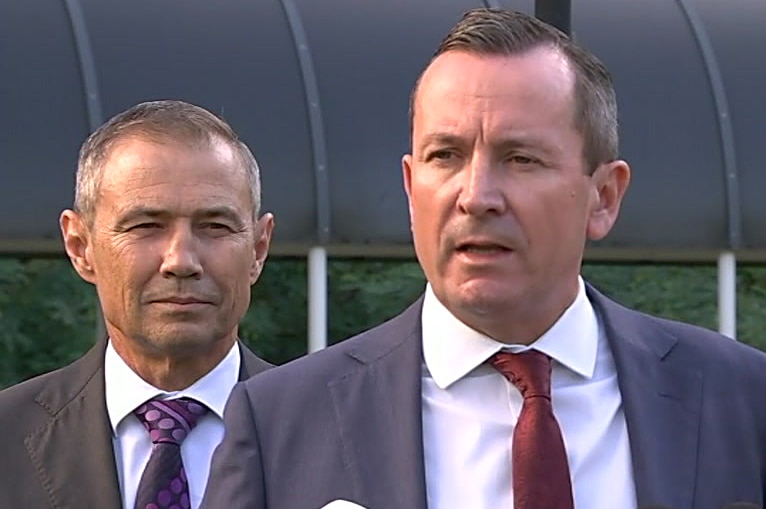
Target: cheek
(432, 204)
(125, 269)
(109, 264)
(233, 269)
(560, 220)
(426, 227)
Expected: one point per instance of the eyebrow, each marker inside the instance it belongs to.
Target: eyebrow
(223, 212)
(136, 212)
(439, 138)
(517, 141)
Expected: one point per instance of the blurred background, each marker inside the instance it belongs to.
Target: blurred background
(319, 90)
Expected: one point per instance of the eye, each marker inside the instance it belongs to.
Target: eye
(216, 226)
(144, 226)
(522, 159)
(441, 155)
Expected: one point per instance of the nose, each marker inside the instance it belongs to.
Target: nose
(481, 192)
(181, 257)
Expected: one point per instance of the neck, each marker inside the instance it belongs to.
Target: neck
(171, 371)
(522, 324)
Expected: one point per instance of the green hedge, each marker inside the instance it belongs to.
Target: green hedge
(47, 314)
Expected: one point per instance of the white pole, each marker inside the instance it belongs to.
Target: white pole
(727, 294)
(317, 283)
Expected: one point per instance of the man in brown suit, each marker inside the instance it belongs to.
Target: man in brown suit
(166, 226)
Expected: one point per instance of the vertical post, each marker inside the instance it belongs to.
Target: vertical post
(727, 294)
(317, 292)
(555, 12)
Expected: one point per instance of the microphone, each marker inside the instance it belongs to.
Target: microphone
(345, 504)
(731, 505)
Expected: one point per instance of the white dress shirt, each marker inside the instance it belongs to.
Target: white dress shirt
(125, 391)
(470, 411)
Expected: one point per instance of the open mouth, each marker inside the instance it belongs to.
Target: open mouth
(486, 249)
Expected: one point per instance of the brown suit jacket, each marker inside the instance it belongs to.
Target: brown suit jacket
(56, 441)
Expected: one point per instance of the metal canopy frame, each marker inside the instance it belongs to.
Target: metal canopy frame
(328, 98)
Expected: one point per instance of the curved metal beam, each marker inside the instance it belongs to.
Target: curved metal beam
(313, 105)
(93, 106)
(725, 129)
(555, 12)
(87, 64)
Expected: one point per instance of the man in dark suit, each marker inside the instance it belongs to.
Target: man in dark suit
(166, 226)
(512, 382)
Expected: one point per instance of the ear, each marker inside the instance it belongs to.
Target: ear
(263, 230)
(77, 243)
(609, 181)
(407, 179)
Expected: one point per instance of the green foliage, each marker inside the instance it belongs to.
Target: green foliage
(686, 292)
(679, 292)
(365, 293)
(48, 315)
(361, 294)
(275, 325)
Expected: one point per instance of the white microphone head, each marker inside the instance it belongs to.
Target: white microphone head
(342, 504)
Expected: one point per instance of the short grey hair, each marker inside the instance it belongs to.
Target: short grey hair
(504, 32)
(173, 120)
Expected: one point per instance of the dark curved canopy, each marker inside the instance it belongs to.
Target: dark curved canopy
(320, 90)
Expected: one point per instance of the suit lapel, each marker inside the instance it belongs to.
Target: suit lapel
(378, 411)
(250, 364)
(73, 451)
(662, 399)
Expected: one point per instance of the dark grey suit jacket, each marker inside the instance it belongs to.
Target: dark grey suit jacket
(56, 441)
(346, 422)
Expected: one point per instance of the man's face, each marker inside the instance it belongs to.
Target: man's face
(500, 200)
(173, 249)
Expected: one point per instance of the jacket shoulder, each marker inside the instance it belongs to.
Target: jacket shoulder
(402, 332)
(694, 346)
(49, 392)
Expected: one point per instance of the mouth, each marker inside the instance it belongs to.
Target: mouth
(482, 248)
(181, 301)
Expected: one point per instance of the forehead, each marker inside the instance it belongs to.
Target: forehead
(538, 82)
(173, 175)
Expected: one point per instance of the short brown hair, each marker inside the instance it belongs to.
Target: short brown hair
(174, 120)
(504, 32)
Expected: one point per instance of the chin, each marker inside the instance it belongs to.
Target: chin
(482, 299)
(182, 339)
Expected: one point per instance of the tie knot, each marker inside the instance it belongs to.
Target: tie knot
(529, 371)
(170, 421)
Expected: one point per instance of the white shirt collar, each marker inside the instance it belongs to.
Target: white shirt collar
(125, 390)
(452, 349)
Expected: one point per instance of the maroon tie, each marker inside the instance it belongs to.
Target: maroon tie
(540, 469)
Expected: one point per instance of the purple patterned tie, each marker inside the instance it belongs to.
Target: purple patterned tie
(163, 483)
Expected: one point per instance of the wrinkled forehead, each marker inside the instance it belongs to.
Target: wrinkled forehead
(139, 162)
(542, 68)
(535, 84)
(134, 145)
(191, 139)
(173, 178)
